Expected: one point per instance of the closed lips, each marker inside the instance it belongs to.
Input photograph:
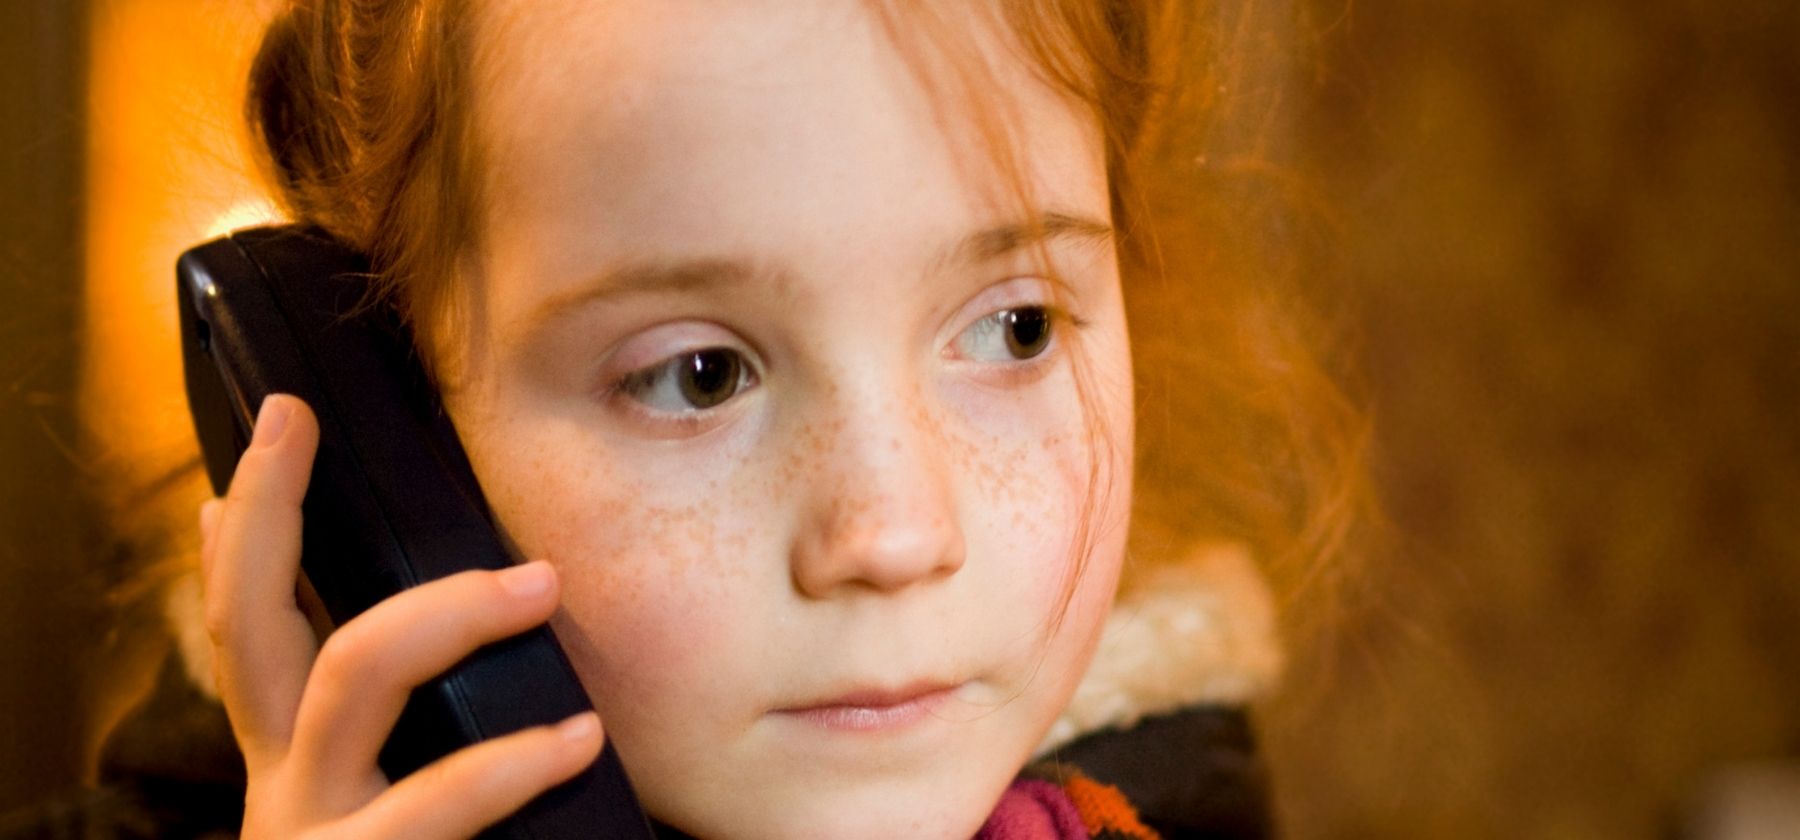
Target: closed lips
(874, 708)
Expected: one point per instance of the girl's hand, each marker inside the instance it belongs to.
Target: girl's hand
(310, 719)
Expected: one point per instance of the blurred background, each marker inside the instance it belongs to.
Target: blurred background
(1566, 237)
(1572, 234)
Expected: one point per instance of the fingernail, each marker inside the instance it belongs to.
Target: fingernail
(209, 518)
(271, 418)
(529, 580)
(580, 727)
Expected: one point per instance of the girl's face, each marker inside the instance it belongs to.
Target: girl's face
(791, 406)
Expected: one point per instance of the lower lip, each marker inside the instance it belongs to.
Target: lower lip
(873, 718)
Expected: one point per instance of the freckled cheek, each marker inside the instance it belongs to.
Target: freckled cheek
(654, 639)
(649, 591)
(1081, 562)
(1028, 496)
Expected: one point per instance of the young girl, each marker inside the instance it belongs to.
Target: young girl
(788, 342)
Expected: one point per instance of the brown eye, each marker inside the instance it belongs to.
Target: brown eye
(1009, 335)
(710, 377)
(1027, 331)
(690, 382)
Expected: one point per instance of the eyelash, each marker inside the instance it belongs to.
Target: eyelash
(691, 421)
(1016, 372)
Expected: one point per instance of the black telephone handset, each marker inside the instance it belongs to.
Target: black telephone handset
(393, 502)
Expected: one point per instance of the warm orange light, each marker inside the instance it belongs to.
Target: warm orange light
(167, 163)
(167, 167)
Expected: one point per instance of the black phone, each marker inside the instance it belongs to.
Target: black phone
(393, 502)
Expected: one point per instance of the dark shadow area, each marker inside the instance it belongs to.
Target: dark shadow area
(50, 606)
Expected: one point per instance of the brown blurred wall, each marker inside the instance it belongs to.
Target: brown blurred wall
(1572, 234)
(49, 610)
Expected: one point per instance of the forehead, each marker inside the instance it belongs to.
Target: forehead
(672, 125)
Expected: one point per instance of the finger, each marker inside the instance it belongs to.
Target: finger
(264, 645)
(209, 518)
(209, 526)
(473, 788)
(368, 668)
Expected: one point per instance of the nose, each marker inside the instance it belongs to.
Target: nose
(880, 513)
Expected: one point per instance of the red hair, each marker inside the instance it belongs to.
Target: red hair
(362, 112)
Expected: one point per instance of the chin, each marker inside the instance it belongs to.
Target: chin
(896, 819)
(951, 807)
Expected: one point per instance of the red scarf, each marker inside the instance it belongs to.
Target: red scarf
(1078, 809)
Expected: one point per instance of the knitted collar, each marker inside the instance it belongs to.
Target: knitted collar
(1076, 808)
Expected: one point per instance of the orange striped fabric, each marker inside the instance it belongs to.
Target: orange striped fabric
(1105, 811)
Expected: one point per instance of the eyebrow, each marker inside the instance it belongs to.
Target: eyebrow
(995, 242)
(700, 274)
